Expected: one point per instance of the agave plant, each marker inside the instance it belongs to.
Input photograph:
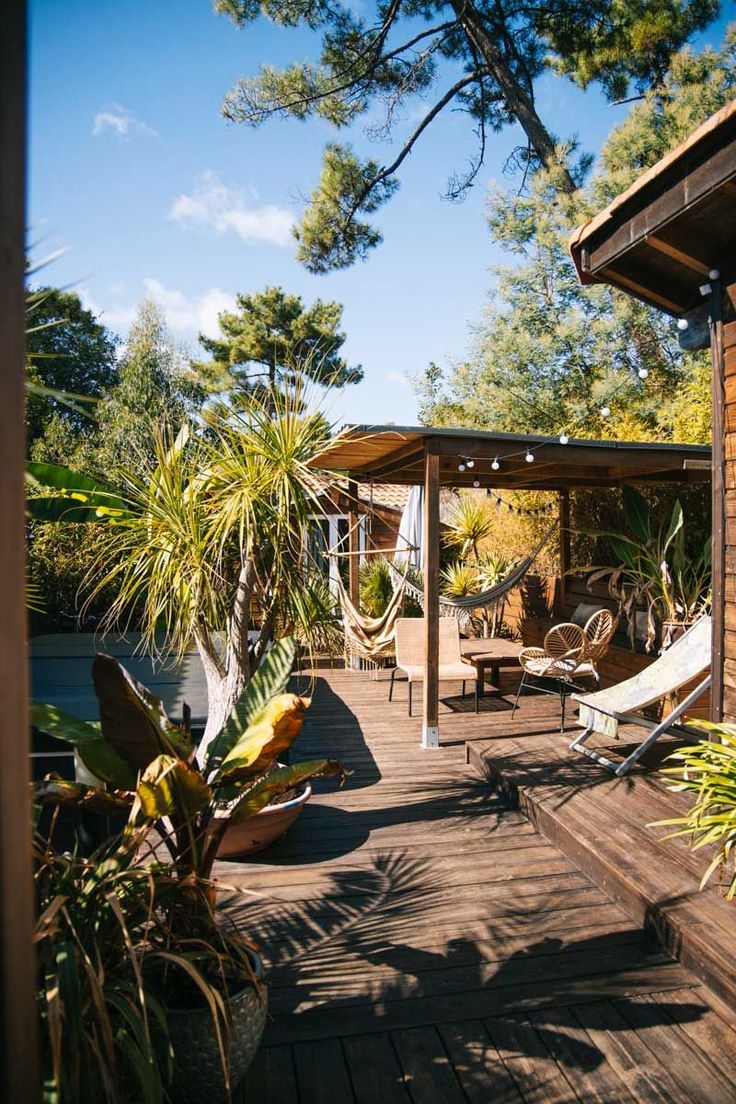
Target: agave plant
(147, 765)
(654, 570)
(376, 586)
(707, 770)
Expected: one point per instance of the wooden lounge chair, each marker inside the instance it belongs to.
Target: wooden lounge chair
(410, 654)
(603, 711)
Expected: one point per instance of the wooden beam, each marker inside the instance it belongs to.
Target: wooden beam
(615, 277)
(431, 540)
(412, 451)
(20, 1078)
(677, 255)
(718, 499)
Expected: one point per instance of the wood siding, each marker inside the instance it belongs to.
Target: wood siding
(729, 588)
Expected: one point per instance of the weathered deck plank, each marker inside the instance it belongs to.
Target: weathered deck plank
(427, 944)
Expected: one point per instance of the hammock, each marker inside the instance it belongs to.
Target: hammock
(462, 607)
(370, 637)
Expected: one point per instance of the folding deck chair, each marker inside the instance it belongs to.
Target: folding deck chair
(603, 711)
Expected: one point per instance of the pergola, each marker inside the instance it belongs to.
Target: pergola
(431, 457)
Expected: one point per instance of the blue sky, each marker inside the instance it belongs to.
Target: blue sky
(134, 173)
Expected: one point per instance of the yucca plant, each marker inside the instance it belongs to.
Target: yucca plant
(469, 523)
(653, 569)
(214, 530)
(376, 586)
(707, 770)
(493, 569)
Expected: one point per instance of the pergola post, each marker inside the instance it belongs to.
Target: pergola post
(354, 550)
(718, 499)
(564, 542)
(431, 543)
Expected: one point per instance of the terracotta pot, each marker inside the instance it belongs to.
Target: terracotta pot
(257, 832)
(198, 1074)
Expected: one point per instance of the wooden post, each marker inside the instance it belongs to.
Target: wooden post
(718, 502)
(353, 558)
(19, 1070)
(565, 562)
(431, 541)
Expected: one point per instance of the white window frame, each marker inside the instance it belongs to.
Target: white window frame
(333, 536)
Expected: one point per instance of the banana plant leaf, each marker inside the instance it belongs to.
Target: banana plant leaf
(132, 719)
(96, 753)
(271, 678)
(83, 498)
(59, 791)
(281, 780)
(276, 729)
(169, 788)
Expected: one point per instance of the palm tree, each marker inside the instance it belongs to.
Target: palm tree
(210, 541)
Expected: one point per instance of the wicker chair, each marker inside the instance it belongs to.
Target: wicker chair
(569, 653)
(410, 654)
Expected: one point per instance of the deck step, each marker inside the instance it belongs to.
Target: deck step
(604, 825)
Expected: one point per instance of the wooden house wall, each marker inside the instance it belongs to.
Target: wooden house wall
(729, 643)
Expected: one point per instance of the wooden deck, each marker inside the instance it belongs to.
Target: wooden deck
(426, 943)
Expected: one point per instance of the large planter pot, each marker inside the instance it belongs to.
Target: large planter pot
(198, 1073)
(257, 832)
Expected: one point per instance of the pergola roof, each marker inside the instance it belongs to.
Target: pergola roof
(396, 454)
(660, 238)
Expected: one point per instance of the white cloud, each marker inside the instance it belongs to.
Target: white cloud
(121, 122)
(396, 377)
(191, 314)
(186, 315)
(225, 210)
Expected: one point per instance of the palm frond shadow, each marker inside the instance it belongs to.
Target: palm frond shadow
(370, 942)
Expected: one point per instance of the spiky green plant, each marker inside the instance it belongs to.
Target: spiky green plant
(469, 523)
(492, 569)
(213, 532)
(458, 580)
(707, 770)
(376, 586)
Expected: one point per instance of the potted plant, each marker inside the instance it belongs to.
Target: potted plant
(654, 571)
(148, 765)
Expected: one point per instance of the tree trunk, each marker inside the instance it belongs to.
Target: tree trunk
(519, 100)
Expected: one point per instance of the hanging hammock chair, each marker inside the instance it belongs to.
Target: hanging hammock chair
(370, 637)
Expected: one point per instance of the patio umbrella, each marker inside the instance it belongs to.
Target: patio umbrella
(411, 527)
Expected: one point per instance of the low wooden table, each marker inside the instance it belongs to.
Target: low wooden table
(490, 652)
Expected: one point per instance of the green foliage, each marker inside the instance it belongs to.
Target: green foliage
(70, 352)
(459, 579)
(653, 568)
(483, 59)
(469, 523)
(707, 771)
(330, 236)
(550, 354)
(376, 586)
(99, 1023)
(272, 340)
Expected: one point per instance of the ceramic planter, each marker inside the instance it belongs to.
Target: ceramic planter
(198, 1073)
(257, 832)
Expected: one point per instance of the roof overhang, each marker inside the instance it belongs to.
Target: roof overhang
(659, 239)
(396, 454)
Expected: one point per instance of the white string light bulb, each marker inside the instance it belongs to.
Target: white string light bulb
(682, 323)
(476, 482)
(470, 463)
(495, 465)
(529, 457)
(605, 411)
(564, 438)
(643, 373)
(461, 466)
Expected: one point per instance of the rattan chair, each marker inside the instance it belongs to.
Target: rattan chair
(569, 653)
(410, 655)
